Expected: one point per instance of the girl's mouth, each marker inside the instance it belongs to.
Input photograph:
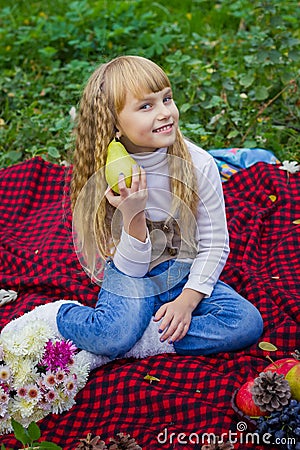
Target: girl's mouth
(164, 129)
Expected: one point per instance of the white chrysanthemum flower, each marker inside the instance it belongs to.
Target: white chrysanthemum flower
(62, 402)
(13, 343)
(82, 370)
(290, 166)
(61, 405)
(22, 407)
(30, 341)
(25, 420)
(25, 373)
(5, 424)
(36, 336)
(1, 353)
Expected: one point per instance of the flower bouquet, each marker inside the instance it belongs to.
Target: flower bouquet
(40, 373)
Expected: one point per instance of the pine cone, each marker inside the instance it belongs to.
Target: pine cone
(271, 391)
(91, 443)
(123, 442)
(296, 355)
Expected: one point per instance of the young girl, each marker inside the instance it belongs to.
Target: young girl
(164, 238)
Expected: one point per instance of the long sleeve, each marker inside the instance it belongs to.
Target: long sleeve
(213, 240)
(133, 256)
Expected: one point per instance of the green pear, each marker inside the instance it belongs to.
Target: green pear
(118, 161)
(293, 378)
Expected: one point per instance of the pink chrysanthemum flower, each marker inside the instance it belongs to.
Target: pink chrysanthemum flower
(22, 392)
(70, 386)
(51, 396)
(4, 398)
(60, 376)
(33, 393)
(58, 354)
(49, 379)
(4, 374)
(44, 403)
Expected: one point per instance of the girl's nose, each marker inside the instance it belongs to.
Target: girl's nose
(163, 112)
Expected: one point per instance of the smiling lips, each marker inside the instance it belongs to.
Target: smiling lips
(164, 129)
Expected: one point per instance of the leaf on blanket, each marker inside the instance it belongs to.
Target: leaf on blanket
(296, 222)
(7, 296)
(267, 346)
(273, 198)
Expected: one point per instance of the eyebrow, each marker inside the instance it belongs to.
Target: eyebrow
(166, 91)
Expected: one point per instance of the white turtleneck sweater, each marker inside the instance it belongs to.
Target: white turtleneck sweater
(133, 257)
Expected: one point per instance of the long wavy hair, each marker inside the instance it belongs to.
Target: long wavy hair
(103, 99)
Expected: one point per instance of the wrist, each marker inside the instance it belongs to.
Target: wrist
(192, 297)
(136, 226)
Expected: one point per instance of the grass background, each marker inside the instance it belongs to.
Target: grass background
(234, 66)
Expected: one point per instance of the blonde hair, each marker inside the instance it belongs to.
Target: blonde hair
(103, 99)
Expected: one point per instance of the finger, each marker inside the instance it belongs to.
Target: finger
(143, 178)
(180, 333)
(111, 197)
(122, 184)
(167, 327)
(160, 313)
(135, 179)
(176, 331)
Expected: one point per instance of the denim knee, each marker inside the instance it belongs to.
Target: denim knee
(224, 322)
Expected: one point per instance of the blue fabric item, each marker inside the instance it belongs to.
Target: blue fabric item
(231, 160)
(223, 322)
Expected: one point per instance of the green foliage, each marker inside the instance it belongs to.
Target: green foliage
(29, 437)
(234, 66)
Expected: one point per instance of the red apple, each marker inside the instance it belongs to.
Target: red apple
(282, 366)
(244, 401)
(293, 378)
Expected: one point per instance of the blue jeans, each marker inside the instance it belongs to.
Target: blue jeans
(223, 322)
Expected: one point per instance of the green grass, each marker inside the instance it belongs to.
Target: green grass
(234, 66)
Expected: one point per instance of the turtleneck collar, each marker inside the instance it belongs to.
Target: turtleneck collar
(151, 160)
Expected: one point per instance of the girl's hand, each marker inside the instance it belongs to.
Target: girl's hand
(132, 202)
(177, 315)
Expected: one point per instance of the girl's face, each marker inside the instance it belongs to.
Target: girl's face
(148, 123)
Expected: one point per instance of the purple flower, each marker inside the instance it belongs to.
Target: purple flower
(58, 355)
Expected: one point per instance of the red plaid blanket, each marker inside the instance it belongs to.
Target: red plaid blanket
(194, 394)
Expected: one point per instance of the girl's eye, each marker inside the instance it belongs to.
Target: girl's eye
(146, 106)
(167, 99)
